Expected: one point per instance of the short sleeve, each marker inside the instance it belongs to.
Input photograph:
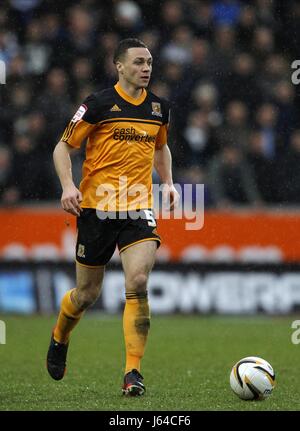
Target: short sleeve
(82, 124)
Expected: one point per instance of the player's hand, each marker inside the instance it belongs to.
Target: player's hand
(170, 197)
(71, 199)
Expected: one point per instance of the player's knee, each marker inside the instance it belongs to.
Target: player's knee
(138, 283)
(86, 299)
(87, 295)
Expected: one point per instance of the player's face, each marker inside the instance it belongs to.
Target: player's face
(136, 67)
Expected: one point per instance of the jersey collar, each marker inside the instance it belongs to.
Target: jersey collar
(128, 98)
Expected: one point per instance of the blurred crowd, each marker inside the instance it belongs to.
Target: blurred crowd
(225, 66)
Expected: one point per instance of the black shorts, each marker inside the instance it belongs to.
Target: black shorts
(98, 236)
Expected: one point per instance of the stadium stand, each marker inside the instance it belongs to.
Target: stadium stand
(224, 65)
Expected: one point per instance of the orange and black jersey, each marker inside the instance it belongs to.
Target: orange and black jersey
(122, 135)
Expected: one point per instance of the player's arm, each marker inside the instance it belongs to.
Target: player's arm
(163, 161)
(71, 196)
(163, 166)
(79, 128)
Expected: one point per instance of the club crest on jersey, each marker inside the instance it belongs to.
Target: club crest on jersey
(156, 109)
(79, 113)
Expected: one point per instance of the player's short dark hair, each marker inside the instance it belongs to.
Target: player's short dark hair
(124, 45)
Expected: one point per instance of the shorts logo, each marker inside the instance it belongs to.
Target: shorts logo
(79, 113)
(156, 109)
(80, 251)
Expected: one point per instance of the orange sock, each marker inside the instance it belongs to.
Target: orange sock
(136, 324)
(68, 318)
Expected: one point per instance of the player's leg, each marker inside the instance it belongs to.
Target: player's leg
(73, 305)
(77, 300)
(96, 242)
(137, 261)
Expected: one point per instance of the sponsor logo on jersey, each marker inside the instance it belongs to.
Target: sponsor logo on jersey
(115, 108)
(79, 113)
(156, 109)
(130, 134)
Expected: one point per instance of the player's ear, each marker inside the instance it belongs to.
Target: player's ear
(119, 67)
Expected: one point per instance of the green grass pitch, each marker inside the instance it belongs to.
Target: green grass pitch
(186, 367)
